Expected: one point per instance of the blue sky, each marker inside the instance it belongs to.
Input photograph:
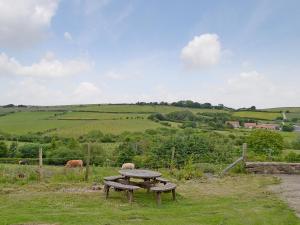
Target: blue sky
(239, 53)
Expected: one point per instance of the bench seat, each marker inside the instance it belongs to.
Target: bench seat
(120, 187)
(113, 178)
(162, 180)
(166, 188)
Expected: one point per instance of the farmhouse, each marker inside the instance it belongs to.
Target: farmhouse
(250, 125)
(234, 124)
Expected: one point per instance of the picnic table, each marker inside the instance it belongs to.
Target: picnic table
(151, 179)
(138, 173)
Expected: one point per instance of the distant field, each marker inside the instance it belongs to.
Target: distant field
(73, 121)
(257, 115)
(293, 115)
(284, 109)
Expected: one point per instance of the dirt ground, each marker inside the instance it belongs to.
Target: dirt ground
(289, 190)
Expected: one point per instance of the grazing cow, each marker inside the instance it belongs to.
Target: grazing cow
(23, 162)
(128, 166)
(74, 163)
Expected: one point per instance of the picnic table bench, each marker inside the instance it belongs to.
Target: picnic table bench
(162, 180)
(152, 180)
(120, 187)
(166, 188)
(114, 178)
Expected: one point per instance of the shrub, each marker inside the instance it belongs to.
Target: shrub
(3, 149)
(28, 151)
(288, 127)
(266, 142)
(157, 117)
(292, 157)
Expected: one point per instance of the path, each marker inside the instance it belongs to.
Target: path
(289, 190)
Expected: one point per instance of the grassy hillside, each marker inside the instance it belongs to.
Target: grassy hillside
(284, 109)
(257, 115)
(76, 120)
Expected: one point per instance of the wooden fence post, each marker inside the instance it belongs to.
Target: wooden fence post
(40, 164)
(172, 158)
(245, 152)
(87, 166)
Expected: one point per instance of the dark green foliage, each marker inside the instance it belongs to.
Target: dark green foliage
(13, 149)
(3, 149)
(288, 127)
(28, 151)
(157, 117)
(126, 152)
(155, 150)
(181, 116)
(266, 142)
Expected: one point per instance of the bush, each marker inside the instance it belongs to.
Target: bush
(157, 117)
(181, 116)
(292, 157)
(28, 151)
(288, 127)
(3, 149)
(266, 142)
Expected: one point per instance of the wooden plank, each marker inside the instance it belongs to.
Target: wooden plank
(120, 186)
(113, 178)
(167, 187)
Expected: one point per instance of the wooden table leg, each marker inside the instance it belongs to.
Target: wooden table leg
(174, 194)
(106, 190)
(158, 198)
(130, 196)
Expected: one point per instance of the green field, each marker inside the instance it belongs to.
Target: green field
(74, 121)
(257, 115)
(284, 109)
(67, 200)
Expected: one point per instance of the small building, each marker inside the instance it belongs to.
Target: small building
(234, 124)
(268, 126)
(250, 125)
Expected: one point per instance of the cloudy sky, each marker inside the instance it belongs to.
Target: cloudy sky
(239, 53)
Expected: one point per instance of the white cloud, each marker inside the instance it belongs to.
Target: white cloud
(202, 51)
(35, 92)
(254, 88)
(87, 92)
(68, 36)
(48, 66)
(24, 22)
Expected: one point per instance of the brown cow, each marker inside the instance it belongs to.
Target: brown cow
(74, 163)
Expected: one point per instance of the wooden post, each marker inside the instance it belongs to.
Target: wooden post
(158, 198)
(172, 157)
(245, 152)
(173, 195)
(87, 166)
(40, 164)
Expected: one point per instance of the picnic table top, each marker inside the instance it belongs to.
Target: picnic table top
(138, 173)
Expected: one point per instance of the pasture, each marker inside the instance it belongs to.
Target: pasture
(74, 121)
(257, 115)
(65, 199)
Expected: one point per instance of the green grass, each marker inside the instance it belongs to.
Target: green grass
(74, 121)
(283, 109)
(233, 200)
(293, 115)
(257, 115)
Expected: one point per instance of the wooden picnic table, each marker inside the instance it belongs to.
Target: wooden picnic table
(139, 173)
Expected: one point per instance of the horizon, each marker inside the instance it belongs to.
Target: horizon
(59, 52)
